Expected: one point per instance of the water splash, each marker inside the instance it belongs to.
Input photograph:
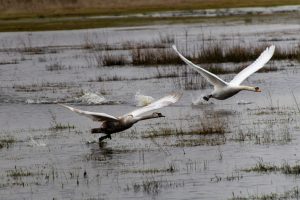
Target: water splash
(91, 98)
(39, 101)
(198, 100)
(142, 100)
(37, 143)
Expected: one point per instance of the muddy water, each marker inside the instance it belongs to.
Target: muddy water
(47, 163)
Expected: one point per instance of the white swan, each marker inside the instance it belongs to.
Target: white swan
(222, 89)
(111, 124)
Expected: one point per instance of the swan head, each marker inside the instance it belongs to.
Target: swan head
(257, 89)
(157, 115)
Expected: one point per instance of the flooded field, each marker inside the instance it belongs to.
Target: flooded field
(243, 147)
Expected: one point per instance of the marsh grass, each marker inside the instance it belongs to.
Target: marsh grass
(159, 75)
(56, 66)
(26, 46)
(163, 41)
(17, 173)
(290, 194)
(153, 187)
(214, 52)
(109, 59)
(285, 168)
(12, 62)
(201, 141)
(189, 79)
(56, 126)
(154, 57)
(233, 177)
(59, 126)
(201, 55)
(267, 133)
(212, 126)
(170, 169)
(36, 87)
(210, 131)
(219, 52)
(6, 141)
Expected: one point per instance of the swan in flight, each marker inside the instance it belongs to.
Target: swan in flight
(222, 89)
(111, 124)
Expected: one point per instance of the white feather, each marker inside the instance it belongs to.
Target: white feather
(210, 77)
(95, 116)
(264, 57)
(165, 101)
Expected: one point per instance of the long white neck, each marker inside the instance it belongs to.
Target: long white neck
(249, 88)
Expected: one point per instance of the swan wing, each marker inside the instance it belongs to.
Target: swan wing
(210, 77)
(264, 57)
(95, 116)
(162, 102)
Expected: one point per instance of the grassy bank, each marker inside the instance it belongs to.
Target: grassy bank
(12, 9)
(22, 15)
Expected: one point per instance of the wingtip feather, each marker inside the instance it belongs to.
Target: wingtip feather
(272, 49)
(174, 47)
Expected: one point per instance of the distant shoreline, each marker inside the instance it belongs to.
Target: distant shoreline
(86, 21)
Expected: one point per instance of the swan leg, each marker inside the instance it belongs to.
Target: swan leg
(104, 137)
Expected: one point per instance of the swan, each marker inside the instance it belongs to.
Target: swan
(222, 89)
(111, 124)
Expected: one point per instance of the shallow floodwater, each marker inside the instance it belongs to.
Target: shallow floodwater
(53, 155)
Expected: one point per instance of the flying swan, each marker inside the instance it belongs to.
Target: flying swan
(111, 124)
(222, 89)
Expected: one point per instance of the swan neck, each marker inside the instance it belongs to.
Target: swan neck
(249, 88)
(146, 117)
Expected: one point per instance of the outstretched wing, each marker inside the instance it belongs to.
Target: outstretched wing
(165, 101)
(93, 115)
(210, 77)
(264, 57)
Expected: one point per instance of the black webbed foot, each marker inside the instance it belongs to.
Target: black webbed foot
(206, 98)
